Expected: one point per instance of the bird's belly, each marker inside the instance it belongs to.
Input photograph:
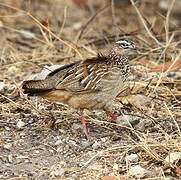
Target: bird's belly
(100, 100)
(77, 101)
(57, 96)
(87, 101)
(90, 100)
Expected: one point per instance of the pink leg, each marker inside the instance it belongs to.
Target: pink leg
(84, 123)
(113, 117)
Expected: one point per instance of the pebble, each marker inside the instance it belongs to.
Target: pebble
(127, 120)
(58, 169)
(96, 145)
(2, 86)
(21, 157)
(8, 146)
(132, 158)
(10, 158)
(20, 124)
(27, 34)
(58, 142)
(137, 171)
(76, 126)
(172, 157)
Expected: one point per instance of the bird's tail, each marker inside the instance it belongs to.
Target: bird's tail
(36, 87)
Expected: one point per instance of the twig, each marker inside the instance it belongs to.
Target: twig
(178, 128)
(90, 20)
(44, 27)
(167, 20)
(144, 24)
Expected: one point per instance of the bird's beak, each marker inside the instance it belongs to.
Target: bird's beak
(136, 50)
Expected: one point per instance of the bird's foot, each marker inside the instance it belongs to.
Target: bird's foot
(85, 127)
(84, 124)
(112, 117)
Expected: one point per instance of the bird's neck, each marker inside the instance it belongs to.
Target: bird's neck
(117, 58)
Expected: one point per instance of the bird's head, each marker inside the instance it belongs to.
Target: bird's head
(126, 47)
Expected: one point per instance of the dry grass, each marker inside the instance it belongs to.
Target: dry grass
(61, 33)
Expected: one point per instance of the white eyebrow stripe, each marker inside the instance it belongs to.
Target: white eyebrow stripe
(123, 41)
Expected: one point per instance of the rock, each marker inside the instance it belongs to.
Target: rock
(76, 126)
(115, 167)
(96, 145)
(58, 142)
(173, 157)
(126, 120)
(132, 157)
(104, 139)
(22, 157)
(2, 86)
(58, 169)
(10, 158)
(20, 124)
(27, 34)
(137, 171)
(8, 146)
(12, 70)
(57, 172)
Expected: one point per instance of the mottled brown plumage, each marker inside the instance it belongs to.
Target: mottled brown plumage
(90, 84)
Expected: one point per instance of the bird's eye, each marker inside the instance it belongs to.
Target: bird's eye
(124, 46)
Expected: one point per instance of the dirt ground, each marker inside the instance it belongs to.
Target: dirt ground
(44, 140)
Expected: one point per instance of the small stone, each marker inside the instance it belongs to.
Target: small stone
(58, 169)
(137, 171)
(51, 151)
(127, 120)
(2, 86)
(12, 70)
(116, 167)
(37, 152)
(57, 172)
(58, 142)
(132, 157)
(10, 158)
(7, 128)
(20, 124)
(27, 34)
(8, 146)
(21, 157)
(60, 149)
(104, 139)
(96, 145)
(173, 157)
(76, 126)
(77, 25)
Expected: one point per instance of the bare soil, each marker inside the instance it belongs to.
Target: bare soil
(44, 140)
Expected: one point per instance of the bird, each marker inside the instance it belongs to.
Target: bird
(91, 84)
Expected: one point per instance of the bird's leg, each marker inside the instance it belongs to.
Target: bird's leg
(84, 123)
(113, 117)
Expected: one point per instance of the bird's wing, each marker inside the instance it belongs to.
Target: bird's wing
(84, 76)
(49, 83)
(77, 77)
